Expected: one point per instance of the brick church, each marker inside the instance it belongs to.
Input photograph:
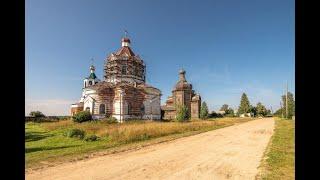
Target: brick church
(123, 93)
(182, 94)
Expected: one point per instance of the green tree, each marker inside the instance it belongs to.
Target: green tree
(230, 112)
(182, 113)
(224, 107)
(204, 110)
(253, 110)
(278, 113)
(261, 109)
(269, 112)
(291, 105)
(244, 106)
(36, 114)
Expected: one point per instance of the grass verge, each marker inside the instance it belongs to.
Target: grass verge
(278, 160)
(46, 144)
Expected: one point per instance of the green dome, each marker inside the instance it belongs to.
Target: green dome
(92, 76)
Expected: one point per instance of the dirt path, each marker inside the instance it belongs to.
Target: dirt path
(230, 153)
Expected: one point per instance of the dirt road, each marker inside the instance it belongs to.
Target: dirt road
(230, 153)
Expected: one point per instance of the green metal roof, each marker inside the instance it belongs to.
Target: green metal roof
(92, 76)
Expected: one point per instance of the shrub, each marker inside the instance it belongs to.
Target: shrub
(82, 116)
(215, 115)
(111, 120)
(182, 113)
(36, 114)
(91, 138)
(78, 133)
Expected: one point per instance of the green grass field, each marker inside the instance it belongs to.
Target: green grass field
(46, 144)
(278, 161)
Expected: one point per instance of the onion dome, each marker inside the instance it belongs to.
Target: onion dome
(182, 84)
(125, 50)
(92, 74)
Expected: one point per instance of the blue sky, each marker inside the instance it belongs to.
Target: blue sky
(227, 47)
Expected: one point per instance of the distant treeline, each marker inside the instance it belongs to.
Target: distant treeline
(45, 119)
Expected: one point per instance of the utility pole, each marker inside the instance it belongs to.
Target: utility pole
(151, 108)
(120, 106)
(287, 100)
(281, 109)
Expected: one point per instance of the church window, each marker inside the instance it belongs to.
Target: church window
(129, 108)
(87, 109)
(124, 69)
(90, 83)
(102, 109)
(142, 109)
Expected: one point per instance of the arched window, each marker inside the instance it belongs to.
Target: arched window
(142, 109)
(102, 109)
(85, 84)
(129, 108)
(90, 83)
(124, 69)
(87, 109)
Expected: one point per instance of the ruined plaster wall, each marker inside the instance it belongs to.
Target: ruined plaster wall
(195, 109)
(153, 109)
(169, 115)
(183, 97)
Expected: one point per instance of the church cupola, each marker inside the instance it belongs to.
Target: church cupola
(125, 42)
(92, 74)
(124, 65)
(92, 79)
(182, 84)
(182, 76)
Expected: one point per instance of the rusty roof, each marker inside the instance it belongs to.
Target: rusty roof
(125, 51)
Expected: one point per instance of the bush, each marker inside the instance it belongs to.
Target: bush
(78, 133)
(182, 113)
(82, 117)
(111, 120)
(91, 138)
(36, 114)
(215, 115)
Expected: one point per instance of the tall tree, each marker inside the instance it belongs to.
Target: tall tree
(261, 109)
(291, 105)
(244, 106)
(204, 110)
(224, 107)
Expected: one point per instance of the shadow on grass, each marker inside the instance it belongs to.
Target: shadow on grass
(35, 136)
(29, 150)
